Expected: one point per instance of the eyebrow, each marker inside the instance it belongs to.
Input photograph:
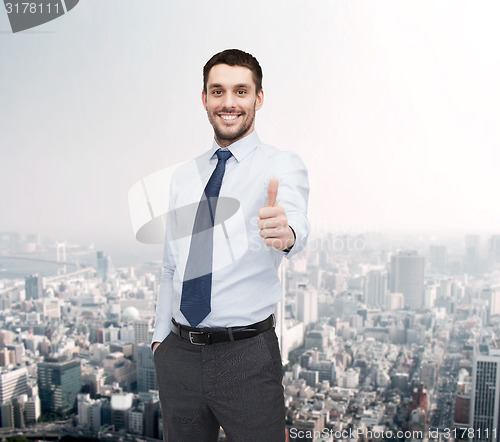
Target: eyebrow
(237, 86)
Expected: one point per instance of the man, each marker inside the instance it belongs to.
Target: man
(235, 211)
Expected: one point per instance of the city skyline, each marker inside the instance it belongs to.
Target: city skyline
(377, 339)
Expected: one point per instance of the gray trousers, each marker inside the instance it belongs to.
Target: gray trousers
(236, 385)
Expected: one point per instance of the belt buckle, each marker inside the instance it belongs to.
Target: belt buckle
(191, 333)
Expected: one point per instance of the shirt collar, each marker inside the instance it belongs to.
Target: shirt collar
(241, 148)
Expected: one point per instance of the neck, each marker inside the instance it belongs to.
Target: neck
(226, 143)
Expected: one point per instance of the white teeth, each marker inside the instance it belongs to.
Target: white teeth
(228, 117)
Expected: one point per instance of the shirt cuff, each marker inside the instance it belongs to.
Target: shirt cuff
(300, 230)
(161, 332)
(294, 239)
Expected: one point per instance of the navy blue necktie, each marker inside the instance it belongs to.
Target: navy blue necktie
(197, 285)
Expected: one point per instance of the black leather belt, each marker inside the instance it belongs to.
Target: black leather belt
(204, 336)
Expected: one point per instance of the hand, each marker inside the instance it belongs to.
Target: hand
(155, 346)
(273, 223)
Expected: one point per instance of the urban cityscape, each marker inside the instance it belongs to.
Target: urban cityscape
(383, 337)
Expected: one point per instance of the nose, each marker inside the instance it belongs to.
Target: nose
(229, 101)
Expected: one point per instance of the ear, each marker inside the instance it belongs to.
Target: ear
(204, 99)
(259, 101)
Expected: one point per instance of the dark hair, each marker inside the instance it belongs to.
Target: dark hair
(235, 57)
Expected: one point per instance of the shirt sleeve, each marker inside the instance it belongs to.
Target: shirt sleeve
(163, 317)
(293, 195)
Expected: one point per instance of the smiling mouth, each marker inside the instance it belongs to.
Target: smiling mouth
(228, 117)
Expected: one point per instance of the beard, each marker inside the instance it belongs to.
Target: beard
(231, 134)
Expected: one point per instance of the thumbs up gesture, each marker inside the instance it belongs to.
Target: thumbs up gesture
(273, 223)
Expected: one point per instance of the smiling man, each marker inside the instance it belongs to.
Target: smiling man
(216, 353)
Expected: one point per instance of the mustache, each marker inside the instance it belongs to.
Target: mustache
(232, 111)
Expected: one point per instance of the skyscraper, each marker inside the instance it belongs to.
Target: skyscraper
(102, 266)
(307, 306)
(59, 383)
(151, 410)
(13, 383)
(376, 288)
(407, 277)
(485, 403)
(89, 412)
(146, 377)
(33, 286)
(143, 333)
(494, 250)
(490, 297)
(471, 264)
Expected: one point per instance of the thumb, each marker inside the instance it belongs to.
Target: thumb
(272, 192)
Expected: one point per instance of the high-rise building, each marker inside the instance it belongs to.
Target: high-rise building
(13, 383)
(102, 266)
(146, 375)
(59, 383)
(407, 277)
(471, 263)
(142, 329)
(316, 339)
(121, 404)
(6, 415)
(428, 373)
(16, 353)
(6, 338)
(18, 408)
(136, 421)
(494, 250)
(89, 412)
(376, 288)
(490, 297)
(485, 402)
(33, 409)
(93, 378)
(151, 410)
(325, 369)
(307, 306)
(143, 333)
(462, 404)
(4, 357)
(33, 286)
(50, 308)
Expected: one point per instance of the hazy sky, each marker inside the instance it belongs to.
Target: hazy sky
(394, 107)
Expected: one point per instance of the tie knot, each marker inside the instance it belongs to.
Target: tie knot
(223, 154)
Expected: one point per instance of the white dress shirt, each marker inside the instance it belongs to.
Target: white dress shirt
(245, 283)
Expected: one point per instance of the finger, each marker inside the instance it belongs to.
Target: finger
(272, 192)
(268, 223)
(274, 242)
(271, 212)
(270, 233)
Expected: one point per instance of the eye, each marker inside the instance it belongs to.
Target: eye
(216, 92)
(241, 92)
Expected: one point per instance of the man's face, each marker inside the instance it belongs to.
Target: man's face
(231, 102)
